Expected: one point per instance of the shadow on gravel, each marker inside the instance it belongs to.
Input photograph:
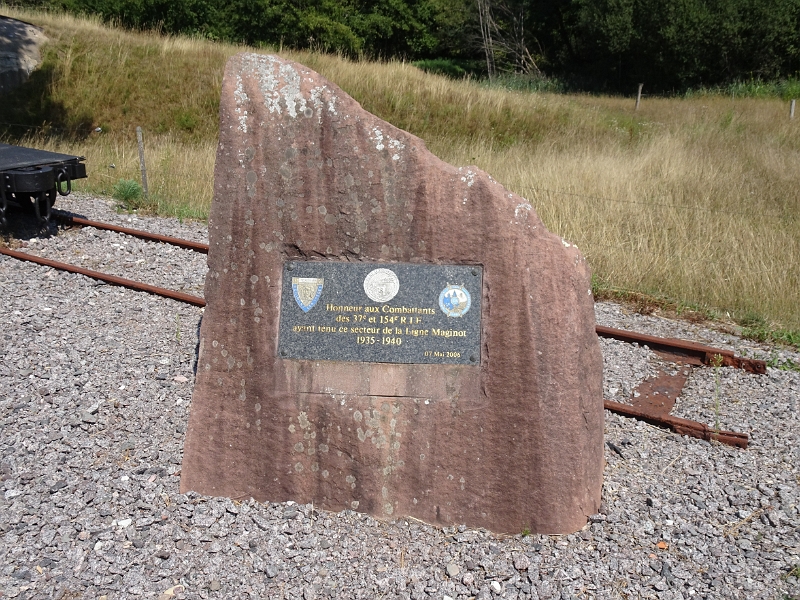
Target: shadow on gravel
(23, 226)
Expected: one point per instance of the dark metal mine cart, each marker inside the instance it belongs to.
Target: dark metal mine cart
(30, 179)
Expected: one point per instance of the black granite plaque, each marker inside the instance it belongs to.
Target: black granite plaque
(381, 312)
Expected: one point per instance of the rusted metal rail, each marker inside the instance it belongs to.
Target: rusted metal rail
(684, 351)
(129, 283)
(145, 235)
(654, 398)
(679, 426)
(651, 402)
(657, 395)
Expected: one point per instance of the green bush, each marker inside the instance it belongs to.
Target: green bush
(785, 89)
(187, 120)
(526, 82)
(441, 66)
(129, 192)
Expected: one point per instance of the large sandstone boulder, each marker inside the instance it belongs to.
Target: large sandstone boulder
(514, 442)
(20, 44)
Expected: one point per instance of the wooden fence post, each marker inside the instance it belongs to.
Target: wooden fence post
(141, 160)
(791, 109)
(639, 96)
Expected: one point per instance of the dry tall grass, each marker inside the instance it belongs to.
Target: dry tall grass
(179, 173)
(694, 199)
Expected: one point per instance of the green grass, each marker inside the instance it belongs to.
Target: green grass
(448, 67)
(793, 572)
(129, 192)
(756, 327)
(785, 89)
(514, 82)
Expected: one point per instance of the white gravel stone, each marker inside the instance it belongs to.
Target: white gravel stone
(92, 508)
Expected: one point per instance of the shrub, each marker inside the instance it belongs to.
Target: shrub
(129, 192)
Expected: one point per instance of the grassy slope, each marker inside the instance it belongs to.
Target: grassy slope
(696, 199)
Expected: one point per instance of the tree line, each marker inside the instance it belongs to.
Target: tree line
(604, 45)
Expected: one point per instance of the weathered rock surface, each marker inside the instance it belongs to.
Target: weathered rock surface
(304, 173)
(19, 52)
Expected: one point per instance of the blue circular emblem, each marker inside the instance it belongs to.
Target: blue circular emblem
(455, 300)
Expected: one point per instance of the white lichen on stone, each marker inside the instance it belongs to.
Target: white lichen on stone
(291, 90)
(377, 136)
(279, 83)
(469, 178)
(302, 418)
(241, 99)
(522, 207)
(318, 103)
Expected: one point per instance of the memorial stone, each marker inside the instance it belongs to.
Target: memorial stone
(385, 332)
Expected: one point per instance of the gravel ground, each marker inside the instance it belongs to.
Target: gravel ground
(95, 387)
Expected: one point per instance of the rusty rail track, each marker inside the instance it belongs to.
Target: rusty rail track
(113, 279)
(129, 283)
(684, 351)
(654, 398)
(145, 235)
(680, 426)
(651, 402)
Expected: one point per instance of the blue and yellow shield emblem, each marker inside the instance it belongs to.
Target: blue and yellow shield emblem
(307, 291)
